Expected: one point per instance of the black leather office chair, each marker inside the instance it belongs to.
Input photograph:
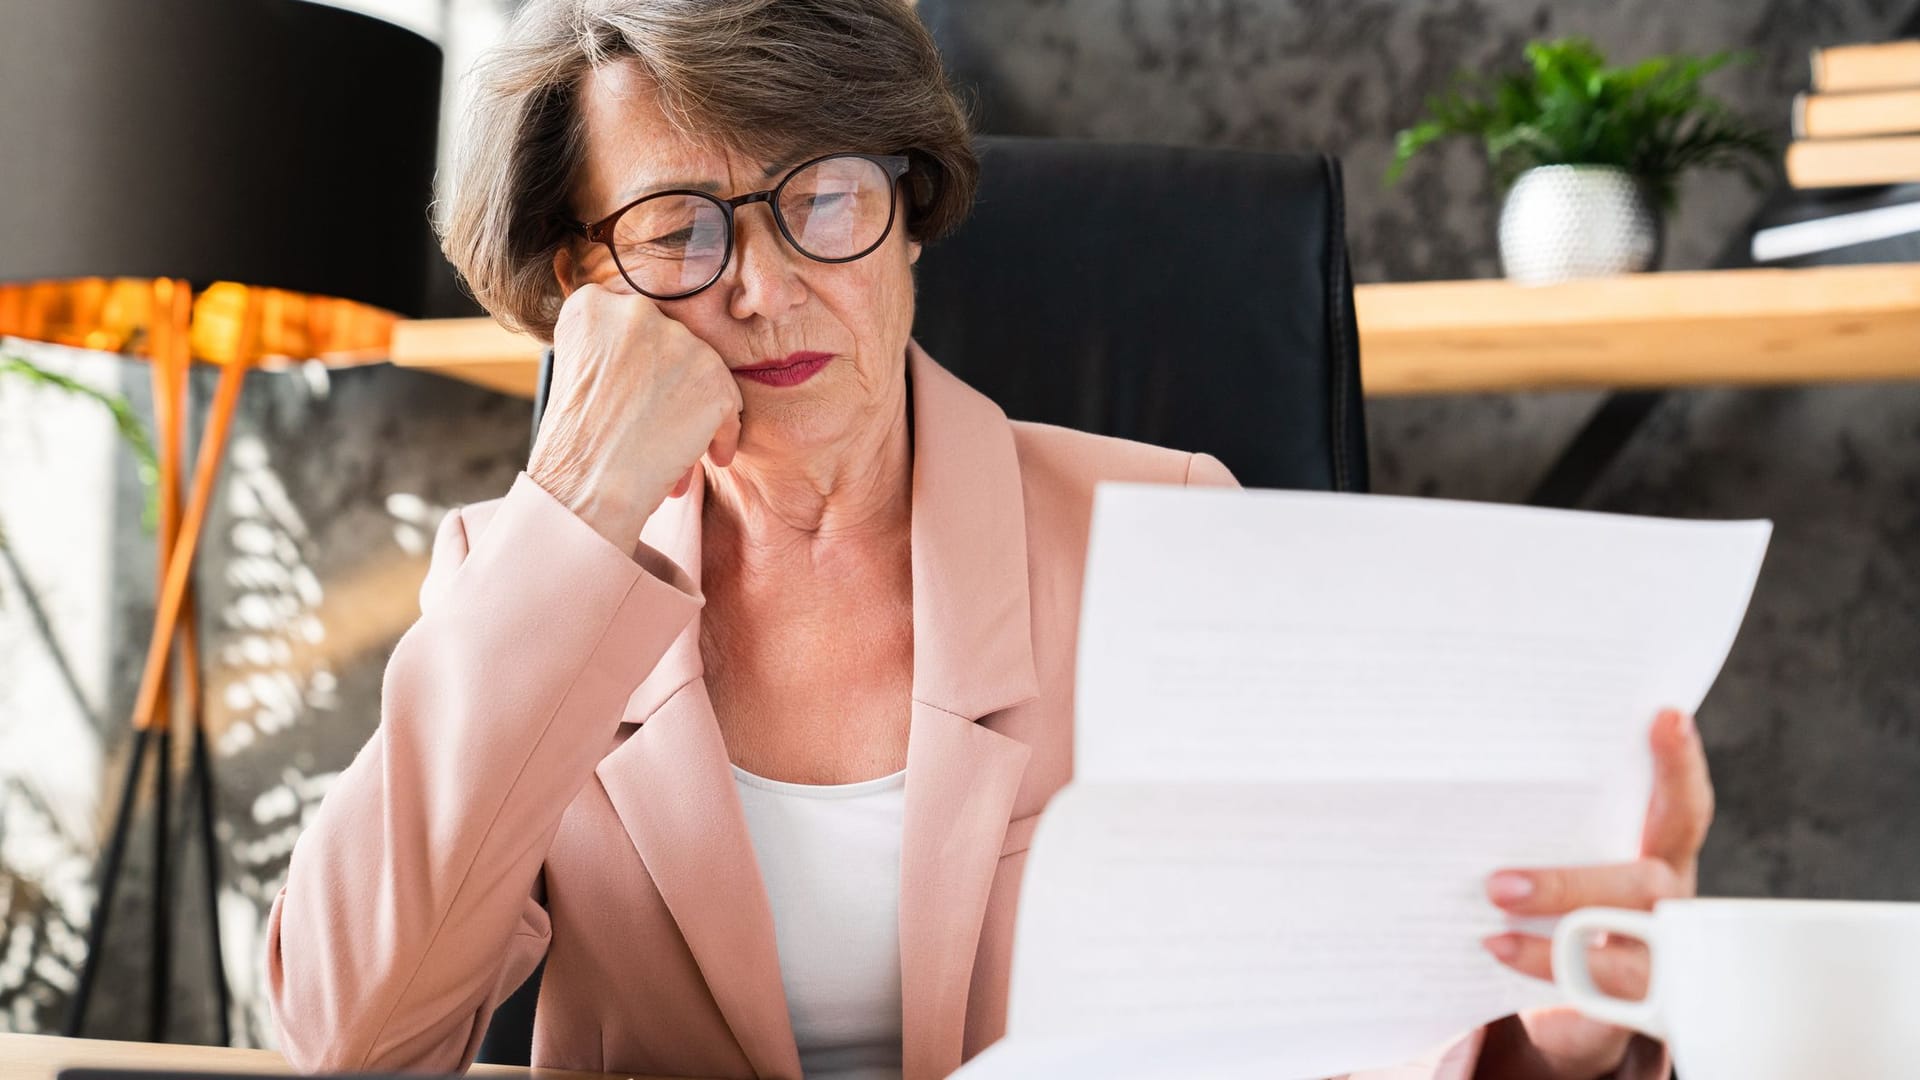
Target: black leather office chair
(1192, 298)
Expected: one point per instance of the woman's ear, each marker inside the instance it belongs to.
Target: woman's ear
(913, 252)
(564, 270)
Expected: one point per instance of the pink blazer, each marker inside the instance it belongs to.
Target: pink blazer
(548, 779)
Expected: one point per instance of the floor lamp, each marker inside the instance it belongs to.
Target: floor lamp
(240, 182)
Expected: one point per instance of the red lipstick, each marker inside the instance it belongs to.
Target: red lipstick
(795, 369)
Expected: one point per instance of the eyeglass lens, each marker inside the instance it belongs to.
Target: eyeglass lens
(832, 210)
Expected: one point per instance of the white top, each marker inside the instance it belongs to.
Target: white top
(830, 857)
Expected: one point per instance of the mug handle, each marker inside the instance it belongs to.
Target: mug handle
(1575, 980)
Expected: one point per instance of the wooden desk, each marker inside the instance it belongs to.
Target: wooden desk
(1702, 328)
(39, 1057)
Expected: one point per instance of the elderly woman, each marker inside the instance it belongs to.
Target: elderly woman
(740, 706)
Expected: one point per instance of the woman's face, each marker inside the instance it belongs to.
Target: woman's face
(771, 301)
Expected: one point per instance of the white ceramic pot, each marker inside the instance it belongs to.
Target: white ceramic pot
(1573, 221)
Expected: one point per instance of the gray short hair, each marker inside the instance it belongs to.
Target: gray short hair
(770, 79)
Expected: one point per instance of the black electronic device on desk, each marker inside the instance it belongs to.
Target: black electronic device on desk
(214, 1075)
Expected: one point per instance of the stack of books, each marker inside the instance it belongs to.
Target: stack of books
(1854, 162)
(1860, 124)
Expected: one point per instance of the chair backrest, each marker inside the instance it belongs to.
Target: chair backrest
(1193, 298)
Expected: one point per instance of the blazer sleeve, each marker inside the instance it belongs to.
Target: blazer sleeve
(408, 912)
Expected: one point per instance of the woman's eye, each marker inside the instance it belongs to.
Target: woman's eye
(678, 238)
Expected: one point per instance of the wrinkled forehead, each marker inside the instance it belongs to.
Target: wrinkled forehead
(633, 147)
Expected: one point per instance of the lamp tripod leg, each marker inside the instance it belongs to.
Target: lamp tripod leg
(201, 768)
(197, 788)
(177, 602)
(161, 984)
(109, 882)
(173, 587)
(174, 615)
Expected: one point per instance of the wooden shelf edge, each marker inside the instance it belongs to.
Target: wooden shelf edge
(1678, 329)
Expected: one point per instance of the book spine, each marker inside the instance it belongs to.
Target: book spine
(1879, 112)
(1866, 67)
(1847, 162)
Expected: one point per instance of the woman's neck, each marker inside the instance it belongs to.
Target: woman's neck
(761, 515)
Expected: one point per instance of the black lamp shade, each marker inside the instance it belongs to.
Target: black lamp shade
(276, 143)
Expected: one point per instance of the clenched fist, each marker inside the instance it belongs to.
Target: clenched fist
(635, 400)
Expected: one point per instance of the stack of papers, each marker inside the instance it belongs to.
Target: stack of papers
(1308, 727)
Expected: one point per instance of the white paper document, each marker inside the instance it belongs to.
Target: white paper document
(1308, 726)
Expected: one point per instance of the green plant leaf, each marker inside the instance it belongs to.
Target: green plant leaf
(1568, 107)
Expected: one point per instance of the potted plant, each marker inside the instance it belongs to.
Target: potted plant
(1590, 155)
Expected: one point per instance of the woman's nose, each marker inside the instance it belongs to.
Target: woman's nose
(766, 277)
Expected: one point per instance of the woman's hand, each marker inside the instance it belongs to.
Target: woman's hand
(636, 399)
(1565, 1043)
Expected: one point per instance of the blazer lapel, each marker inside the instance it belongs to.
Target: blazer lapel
(672, 787)
(973, 656)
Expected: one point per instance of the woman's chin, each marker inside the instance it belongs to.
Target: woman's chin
(790, 429)
(833, 412)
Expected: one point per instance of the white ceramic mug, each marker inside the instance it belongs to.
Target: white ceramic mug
(1752, 989)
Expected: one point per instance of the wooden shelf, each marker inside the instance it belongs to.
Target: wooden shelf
(1702, 328)
(1711, 327)
(478, 351)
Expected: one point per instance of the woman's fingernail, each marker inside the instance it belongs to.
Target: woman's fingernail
(1501, 946)
(1507, 887)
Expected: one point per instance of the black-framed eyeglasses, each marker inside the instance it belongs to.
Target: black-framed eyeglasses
(672, 244)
